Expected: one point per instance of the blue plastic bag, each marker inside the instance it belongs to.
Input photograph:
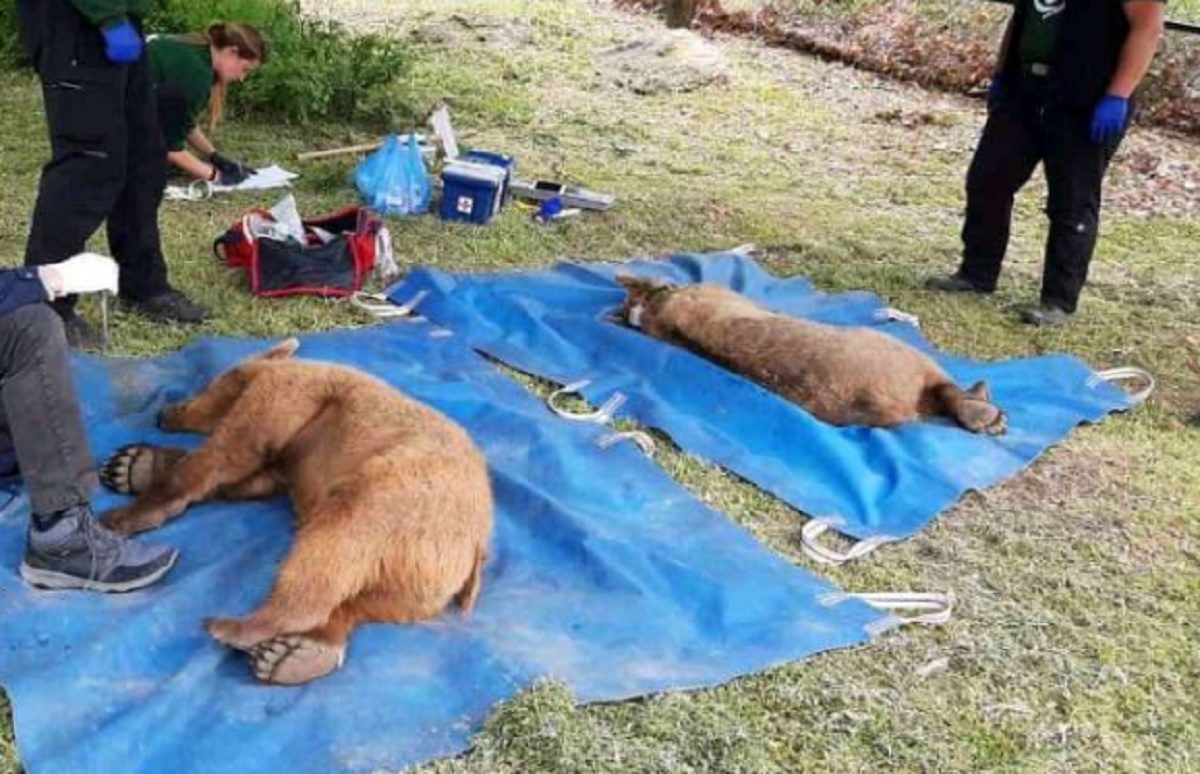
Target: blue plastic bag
(393, 180)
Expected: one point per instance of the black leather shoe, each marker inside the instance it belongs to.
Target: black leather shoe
(171, 306)
(1045, 315)
(954, 283)
(81, 335)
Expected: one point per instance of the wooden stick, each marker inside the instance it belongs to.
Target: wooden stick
(321, 154)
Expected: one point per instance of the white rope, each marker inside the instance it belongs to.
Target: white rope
(931, 608)
(378, 305)
(889, 313)
(643, 440)
(1113, 375)
(385, 259)
(600, 416)
(815, 528)
(195, 191)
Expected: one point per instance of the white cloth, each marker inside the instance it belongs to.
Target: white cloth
(82, 273)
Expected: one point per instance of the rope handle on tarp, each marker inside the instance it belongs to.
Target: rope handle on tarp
(601, 416)
(643, 440)
(890, 313)
(378, 305)
(1114, 375)
(815, 528)
(929, 608)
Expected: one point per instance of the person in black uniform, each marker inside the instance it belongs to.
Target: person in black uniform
(108, 163)
(191, 74)
(1061, 95)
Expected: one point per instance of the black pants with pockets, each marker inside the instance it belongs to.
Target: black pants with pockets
(1028, 127)
(108, 161)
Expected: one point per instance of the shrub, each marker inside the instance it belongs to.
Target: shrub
(318, 70)
(10, 50)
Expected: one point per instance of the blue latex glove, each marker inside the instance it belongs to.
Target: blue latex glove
(995, 91)
(122, 43)
(1109, 117)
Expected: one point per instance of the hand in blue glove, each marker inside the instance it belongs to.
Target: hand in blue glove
(122, 43)
(995, 91)
(1109, 118)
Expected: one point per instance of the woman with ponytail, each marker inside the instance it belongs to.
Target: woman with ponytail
(191, 74)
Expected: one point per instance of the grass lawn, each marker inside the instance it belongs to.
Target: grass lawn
(1074, 645)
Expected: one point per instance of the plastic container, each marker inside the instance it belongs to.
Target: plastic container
(496, 160)
(472, 191)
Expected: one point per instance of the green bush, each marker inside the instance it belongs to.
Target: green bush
(10, 50)
(317, 70)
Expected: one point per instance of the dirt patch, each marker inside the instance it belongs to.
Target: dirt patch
(459, 29)
(954, 51)
(1155, 174)
(664, 62)
(1088, 495)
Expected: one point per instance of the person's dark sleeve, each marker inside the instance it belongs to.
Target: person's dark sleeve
(174, 117)
(100, 12)
(18, 288)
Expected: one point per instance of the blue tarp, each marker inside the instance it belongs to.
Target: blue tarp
(605, 574)
(868, 482)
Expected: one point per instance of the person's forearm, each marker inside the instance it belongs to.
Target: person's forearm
(200, 142)
(191, 165)
(1137, 53)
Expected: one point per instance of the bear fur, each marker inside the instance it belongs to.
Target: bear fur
(841, 375)
(392, 500)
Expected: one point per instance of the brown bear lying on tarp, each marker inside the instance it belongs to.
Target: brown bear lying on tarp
(392, 499)
(841, 375)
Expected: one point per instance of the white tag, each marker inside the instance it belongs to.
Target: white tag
(635, 316)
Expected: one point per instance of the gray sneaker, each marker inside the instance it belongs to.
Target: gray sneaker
(78, 552)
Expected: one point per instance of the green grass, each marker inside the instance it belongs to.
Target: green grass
(1074, 644)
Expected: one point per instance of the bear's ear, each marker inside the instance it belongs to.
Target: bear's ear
(280, 351)
(629, 282)
(645, 284)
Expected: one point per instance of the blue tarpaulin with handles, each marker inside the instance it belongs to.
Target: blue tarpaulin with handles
(604, 574)
(869, 483)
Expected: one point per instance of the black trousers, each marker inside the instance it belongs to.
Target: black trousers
(108, 161)
(1028, 127)
(39, 411)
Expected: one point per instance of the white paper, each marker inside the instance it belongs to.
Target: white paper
(273, 176)
(287, 216)
(440, 121)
